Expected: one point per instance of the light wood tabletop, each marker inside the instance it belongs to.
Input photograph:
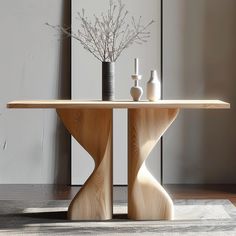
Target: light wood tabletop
(182, 104)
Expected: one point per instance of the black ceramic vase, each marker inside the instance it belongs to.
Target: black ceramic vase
(108, 81)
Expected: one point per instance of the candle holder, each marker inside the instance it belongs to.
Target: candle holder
(136, 91)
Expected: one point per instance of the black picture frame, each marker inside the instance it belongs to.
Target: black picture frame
(161, 78)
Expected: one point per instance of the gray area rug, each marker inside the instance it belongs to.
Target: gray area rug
(192, 217)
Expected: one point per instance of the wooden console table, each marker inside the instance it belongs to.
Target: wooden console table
(90, 123)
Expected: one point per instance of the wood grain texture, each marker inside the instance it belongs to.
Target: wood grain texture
(147, 199)
(69, 104)
(92, 128)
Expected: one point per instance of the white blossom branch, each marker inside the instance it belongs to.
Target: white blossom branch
(109, 35)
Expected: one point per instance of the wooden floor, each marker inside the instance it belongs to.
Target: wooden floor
(215, 191)
(52, 192)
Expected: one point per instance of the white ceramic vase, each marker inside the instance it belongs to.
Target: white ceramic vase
(154, 87)
(136, 91)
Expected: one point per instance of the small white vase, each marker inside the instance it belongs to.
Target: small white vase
(154, 87)
(136, 91)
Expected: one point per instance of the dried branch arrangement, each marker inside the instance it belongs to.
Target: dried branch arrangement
(107, 37)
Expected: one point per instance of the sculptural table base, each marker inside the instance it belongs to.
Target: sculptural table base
(147, 199)
(92, 128)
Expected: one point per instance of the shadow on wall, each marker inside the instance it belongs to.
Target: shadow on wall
(210, 73)
(220, 81)
(63, 144)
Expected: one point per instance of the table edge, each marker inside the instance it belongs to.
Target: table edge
(77, 104)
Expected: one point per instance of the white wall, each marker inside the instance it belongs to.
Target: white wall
(199, 63)
(34, 64)
(86, 84)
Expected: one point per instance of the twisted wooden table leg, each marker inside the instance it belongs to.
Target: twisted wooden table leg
(147, 199)
(92, 128)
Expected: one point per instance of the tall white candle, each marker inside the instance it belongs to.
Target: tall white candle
(136, 66)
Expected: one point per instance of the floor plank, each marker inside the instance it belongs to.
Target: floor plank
(200, 191)
(53, 192)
